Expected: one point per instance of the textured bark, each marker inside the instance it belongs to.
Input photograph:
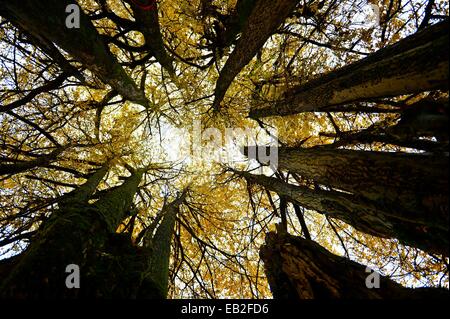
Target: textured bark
(156, 276)
(418, 183)
(82, 194)
(84, 43)
(298, 268)
(79, 233)
(148, 23)
(113, 206)
(265, 18)
(373, 217)
(415, 64)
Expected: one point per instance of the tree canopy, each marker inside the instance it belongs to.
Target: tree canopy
(101, 161)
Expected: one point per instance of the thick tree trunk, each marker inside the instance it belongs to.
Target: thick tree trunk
(156, 275)
(82, 194)
(265, 18)
(415, 64)
(298, 268)
(113, 206)
(79, 233)
(83, 43)
(372, 217)
(418, 183)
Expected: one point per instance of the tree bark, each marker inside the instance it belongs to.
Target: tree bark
(79, 233)
(415, 64)
(156, 275)
(83, 43)
(418, 183)
(425, 118)
(266, 16)
(298, 268)
(372, 217)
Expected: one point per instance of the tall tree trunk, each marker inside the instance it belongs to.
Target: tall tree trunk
(418, 183)
(76, 234)
(298, 268)
(156, 275)
(83, 43)
(415, 64)
(82, 194)
(265, 18)
(114, 205)
(368, 216)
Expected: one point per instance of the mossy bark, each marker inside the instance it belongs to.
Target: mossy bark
(78, 233)
(157, 246)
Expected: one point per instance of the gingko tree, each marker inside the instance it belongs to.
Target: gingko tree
(111, 113)
(404, 194)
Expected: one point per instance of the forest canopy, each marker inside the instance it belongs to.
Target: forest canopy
(224, 149)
